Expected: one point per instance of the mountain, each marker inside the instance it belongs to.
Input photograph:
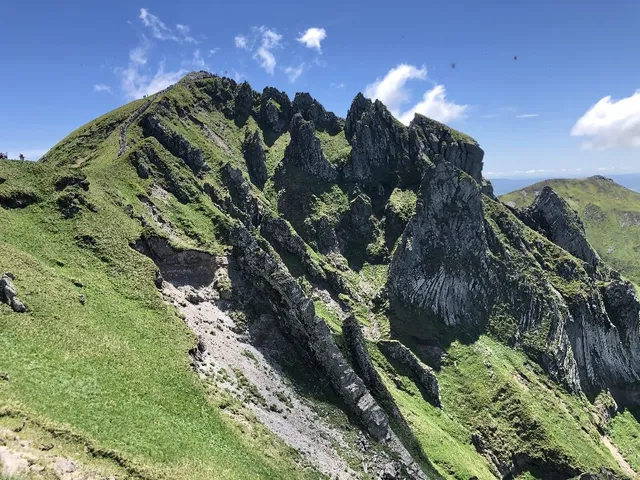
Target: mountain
(502, 186)
(610, 213)
(214, 282)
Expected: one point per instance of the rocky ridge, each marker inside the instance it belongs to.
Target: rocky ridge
(411, 201)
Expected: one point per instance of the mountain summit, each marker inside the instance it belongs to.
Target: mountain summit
(234, 284)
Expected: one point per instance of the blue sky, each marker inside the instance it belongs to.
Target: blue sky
(576, 69)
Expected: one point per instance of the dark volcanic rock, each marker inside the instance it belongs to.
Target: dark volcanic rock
(254, 156)
(313, 111)
(243, 102)
(18, 199)
(555, 219)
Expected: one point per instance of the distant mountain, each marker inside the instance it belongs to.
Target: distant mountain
(610, 212)
(506, 185)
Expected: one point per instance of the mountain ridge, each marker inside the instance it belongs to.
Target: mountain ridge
(252, 212)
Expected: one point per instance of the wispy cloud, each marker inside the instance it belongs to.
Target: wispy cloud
(312, 38)
(160, 31)
(213, 51)
(242, 42)
(101, 87)
(138, 82)
(267, 40)
(611, 124)
(528, 115)
(337, 85)
(391, 90)
(293, 73)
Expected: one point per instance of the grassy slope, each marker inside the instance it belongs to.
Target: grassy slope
(617, 244)
(116, 370)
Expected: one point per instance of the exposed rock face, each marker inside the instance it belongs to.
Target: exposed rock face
(555, 219)
(17, 199)
(298, 318)
(357, 227)
(243, 102)
(176, 144)
(423, 375)
(275, 109)
(305, 153)
(9, 294)
(438, 143)
(280, 233)
(442, 265)
(313, 111)
(379, 144)
(255, 158)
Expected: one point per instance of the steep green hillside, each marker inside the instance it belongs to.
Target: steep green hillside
(223, 283)
(610, 212)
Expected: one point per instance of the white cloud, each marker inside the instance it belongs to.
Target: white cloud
(198, 62)
(611, 124)
(136, 82)
(294, 72)
(313, 37)
(184, 31)
(268, 40)
(213, 51)
(160, 31)
(435, 105)
(391, 90)
(337, 85)
(242, 42)
(101, 87)
(528, 115)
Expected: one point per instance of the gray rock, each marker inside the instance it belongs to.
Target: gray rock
(256, 160)
(554, 218)
(304, 153)
(313, 111)
(275, 110)
(439, 143)
(297, 313)
(422, 374)
(442, 265)
(9, 294)
(380, 145)
(178, 145)
(243, 103)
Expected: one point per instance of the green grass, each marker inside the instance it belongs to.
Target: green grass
(489, 388)
(335, 147)
(625, 433)
(608, 211)
(116, 369)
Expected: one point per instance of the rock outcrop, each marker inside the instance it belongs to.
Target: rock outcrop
(424, 376)
(254, 156)
(441, 143)
(379, 144)
(9, 294)
(275, 110)
(177, 144)
(555, 219)
(442, 266)
(313, 111)
(304, 152)
(298, 319)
